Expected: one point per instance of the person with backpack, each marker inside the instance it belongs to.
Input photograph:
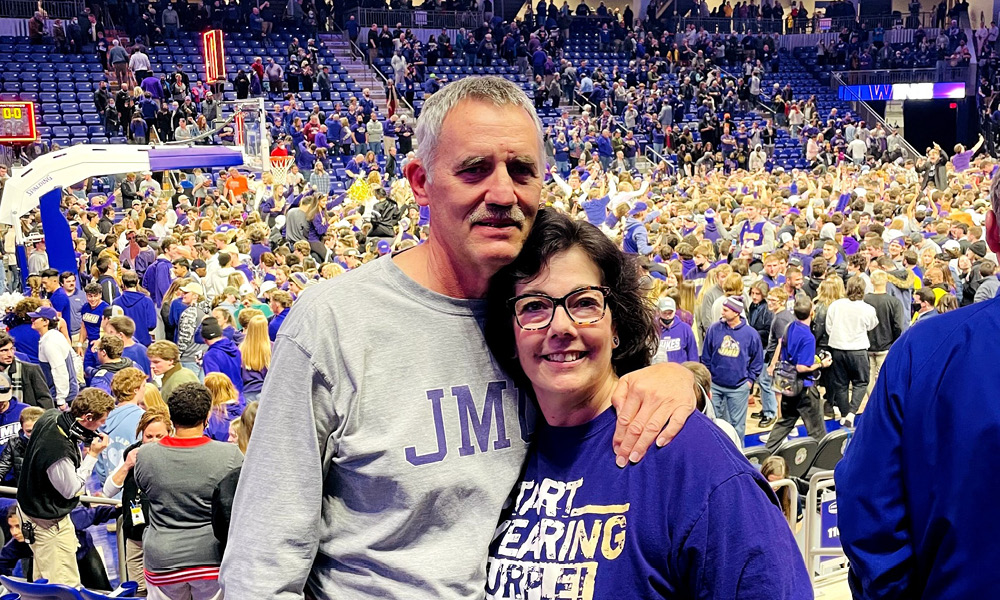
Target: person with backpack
(791, 371)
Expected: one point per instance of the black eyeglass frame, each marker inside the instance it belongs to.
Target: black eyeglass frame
(557, 302)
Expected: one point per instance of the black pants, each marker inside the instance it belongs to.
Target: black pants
(850, 367)
(805, 405)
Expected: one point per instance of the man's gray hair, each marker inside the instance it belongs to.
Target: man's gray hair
(490, 88)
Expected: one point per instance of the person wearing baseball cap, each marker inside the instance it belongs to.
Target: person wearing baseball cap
(189, 323)
(677, 341)
(636, 237)
(223, 356)
(55, 356)
(734, 355)
(10, 413)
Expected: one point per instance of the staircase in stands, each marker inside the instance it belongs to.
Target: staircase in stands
(358, 69)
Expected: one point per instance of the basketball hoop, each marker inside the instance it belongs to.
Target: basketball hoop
(279, 168)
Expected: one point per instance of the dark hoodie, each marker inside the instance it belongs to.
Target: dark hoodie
(224, 357)
(102, 377)
(900, 287)
(140, 308)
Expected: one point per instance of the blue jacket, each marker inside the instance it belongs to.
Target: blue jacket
(916, 488)
(275, 324)
(157, 279)
(224, 357)
(120, 428)
(137, 354)
(636, 237)
(604, 147)
(734, 356)
(139, 307)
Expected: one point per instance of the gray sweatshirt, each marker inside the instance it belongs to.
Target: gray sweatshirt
(179, 478)
(395, 439)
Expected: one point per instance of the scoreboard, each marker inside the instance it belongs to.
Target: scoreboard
(17, 122)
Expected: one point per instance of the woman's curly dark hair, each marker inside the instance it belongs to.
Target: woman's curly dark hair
(632, 313)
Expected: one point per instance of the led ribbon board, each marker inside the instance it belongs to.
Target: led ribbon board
(902, 91)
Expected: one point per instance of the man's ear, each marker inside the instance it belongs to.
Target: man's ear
(416, 174)
(992, 231)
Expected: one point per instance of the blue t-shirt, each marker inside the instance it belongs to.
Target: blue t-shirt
(692, 520)
(800, 348)
(92, 319)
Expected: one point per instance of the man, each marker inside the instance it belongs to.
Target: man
(777, 303)
(924, 456)
(10, 415)
(756, 232)
(179, 475)
(164, 361)
(124, 328)
(636, 236)
(773, 276)
(483, 192)
(891, 324)
(90, 330)
(279, 303)
(734, 355)
(924, 299)
(138, 307)
(157, 278)
(677, 341)
(798, 347)
(53, 476)
(222, 356)
(38, 261)
(55, 357)
(109, 355)
(989, 284)
(195, 309)
(27, 380)
(65, 298)
(848, 321)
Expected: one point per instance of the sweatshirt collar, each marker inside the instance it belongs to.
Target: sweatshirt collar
(175, 442)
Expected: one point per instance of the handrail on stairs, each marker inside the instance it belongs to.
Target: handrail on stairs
(375, 74)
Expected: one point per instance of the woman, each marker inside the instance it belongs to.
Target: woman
(256, 356)
(226, 406)
(154, 425)
(831, 289)
(710, 526)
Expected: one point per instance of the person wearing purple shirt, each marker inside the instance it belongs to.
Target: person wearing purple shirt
(159, 275)
(137, 306)
(152, 85)
(677, 341)
(222, 356)
(694, 519)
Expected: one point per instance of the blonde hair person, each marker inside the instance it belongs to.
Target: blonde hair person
(225, 406)
(151, 398)
(256, 355)
(245, 429)
(127, 384)
(774, 468)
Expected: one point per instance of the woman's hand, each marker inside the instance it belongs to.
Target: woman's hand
(652, 404)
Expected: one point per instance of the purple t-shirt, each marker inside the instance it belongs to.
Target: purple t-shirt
(692, 520)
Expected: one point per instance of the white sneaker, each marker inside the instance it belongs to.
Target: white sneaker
(848, 421)
(836, 414)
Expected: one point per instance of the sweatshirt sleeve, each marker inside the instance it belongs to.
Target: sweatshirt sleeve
(871, 503)
(270, 554)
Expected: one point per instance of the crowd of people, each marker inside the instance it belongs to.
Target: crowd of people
(676, 296)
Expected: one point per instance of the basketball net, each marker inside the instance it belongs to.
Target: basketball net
(279, 168)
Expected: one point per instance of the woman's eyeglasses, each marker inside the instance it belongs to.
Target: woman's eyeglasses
(584, 306)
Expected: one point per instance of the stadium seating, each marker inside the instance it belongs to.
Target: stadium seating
(829, 452)
(798, 454)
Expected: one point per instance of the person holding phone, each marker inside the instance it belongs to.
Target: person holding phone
(53, 475)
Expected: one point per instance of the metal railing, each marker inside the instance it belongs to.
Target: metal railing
(813, 24)
(941, 74)
(25, 9)
(793, 499)
(655, 158)
(818, 483)
(412, 19)
(375, 77)
(11, 492)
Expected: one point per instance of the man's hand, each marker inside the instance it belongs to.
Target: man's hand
(98, 445)
(652, 403)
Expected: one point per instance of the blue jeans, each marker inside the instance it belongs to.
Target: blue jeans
(563, 167)
(731, 405)
(767, 399)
